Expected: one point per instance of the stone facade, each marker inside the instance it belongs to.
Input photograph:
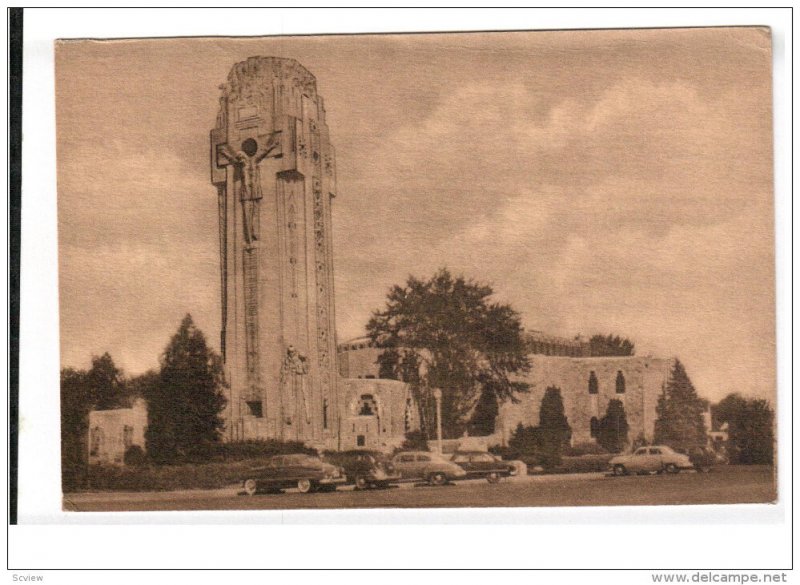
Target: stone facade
(113, 432)
(377, 414)
(274, 168)
(587, 386)
(640, 380)
(358, 358)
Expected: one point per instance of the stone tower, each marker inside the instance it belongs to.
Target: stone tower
(274, 169)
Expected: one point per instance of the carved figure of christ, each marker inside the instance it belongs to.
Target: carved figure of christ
(247, 160)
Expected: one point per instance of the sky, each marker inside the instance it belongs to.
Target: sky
(600, 181)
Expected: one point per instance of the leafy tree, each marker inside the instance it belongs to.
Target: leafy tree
(554, 430)
(184, 406)
(610, 345)
(446, 333)
(142, 385)
(99, 388)
(679, 411)
(76, 402)
(612, 431)
(750, 429)
(105, 383)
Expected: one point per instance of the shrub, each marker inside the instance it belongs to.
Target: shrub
(169, 477)
(590, 448)
(258, 449)
(135, 456)
(415, 441)
(524, 441)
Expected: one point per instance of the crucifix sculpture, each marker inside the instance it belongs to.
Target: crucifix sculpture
(246, 162)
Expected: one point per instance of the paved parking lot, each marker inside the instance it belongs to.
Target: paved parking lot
(725, 485)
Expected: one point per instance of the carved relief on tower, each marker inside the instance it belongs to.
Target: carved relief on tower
(323, 298)
(255, 80)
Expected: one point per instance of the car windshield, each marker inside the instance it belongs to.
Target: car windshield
(483, 457)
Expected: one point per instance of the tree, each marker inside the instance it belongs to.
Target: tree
(610, 345)
(612, 430)
(446, 333)
(750, 429)
(76, 402)
(679, 412)
(525, 440)
(554, 430)
(99, 388)
(184, 406)
(105, 383)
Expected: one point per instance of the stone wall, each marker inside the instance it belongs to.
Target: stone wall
(376, 414)
(112, 432)
(644, 380)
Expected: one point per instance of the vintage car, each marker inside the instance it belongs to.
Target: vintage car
(480, 464)
(656, 458)
(430, 467)
(365, 468)
(305, 472)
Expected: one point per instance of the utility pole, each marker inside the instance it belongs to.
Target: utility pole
(437, 394)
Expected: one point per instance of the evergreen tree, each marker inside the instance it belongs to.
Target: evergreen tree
(612, 431)
(554, 430)
(184, 406)
(679, 412)
(525, 440)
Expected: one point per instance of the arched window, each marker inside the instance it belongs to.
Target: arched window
(127, 436)
(620, 382)
(594, 427)
(96, 441)
(593, 389)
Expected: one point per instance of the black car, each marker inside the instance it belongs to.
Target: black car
(365, 469)
(480, 464)
(305, 472)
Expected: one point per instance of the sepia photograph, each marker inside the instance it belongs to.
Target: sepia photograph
(447, 270)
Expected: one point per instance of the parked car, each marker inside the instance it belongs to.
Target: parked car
(365, 468)
(480, 464)
(305, 472)
(430, 467)
(656, 458)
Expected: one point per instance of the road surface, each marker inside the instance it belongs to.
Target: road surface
(724, 485)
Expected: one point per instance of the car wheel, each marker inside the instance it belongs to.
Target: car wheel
(620, 470)
(493, 477)
(361, 483)
(671, 468)
(304, 486)
(250, 487)
(437, 478)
